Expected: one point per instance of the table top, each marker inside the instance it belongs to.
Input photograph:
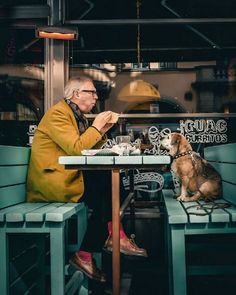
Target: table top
(140, 161)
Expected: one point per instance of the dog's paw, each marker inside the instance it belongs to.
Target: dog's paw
(182, 198)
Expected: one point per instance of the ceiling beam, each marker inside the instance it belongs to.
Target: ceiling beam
(162, 21)
(24, 12)
(150, 49)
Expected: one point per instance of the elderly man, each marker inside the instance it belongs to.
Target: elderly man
(64, 130)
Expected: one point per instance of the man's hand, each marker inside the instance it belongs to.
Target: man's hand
(106, 128)
(101, 122)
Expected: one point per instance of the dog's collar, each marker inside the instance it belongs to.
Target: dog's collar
(182, 154)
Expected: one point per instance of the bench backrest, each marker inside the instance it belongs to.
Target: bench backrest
(13, 174)
(223, 158)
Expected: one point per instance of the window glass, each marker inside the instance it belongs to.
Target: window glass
(21, 84)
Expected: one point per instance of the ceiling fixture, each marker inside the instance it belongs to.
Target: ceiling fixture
(57, 32)
(138, 91)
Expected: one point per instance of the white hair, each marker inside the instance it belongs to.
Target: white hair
(73, 84)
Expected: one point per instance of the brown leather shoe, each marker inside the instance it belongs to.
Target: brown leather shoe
(89, 268)
(127, 247)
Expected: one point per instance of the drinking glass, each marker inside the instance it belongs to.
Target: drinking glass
(124, 142)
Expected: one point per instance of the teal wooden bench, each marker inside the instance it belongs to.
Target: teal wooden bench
(192, 220)
(36, 221)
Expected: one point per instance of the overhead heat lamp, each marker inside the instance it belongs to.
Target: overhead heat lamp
(57, 32)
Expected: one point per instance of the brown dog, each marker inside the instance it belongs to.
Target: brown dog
(198, 178)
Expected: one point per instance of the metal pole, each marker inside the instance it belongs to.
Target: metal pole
(116, 231)
(162, 21)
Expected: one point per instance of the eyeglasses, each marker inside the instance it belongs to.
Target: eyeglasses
(93, 92)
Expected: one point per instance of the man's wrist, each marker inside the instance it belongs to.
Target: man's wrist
(97, 130)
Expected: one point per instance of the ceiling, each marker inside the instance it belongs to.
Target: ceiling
(134, 31)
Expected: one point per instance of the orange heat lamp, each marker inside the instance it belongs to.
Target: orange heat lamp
(60, 32)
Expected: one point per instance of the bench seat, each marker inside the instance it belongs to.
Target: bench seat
(190, 219)
(47, 219)
(40, 212)
(198, 212)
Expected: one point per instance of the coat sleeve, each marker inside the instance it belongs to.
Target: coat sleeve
(62, 128)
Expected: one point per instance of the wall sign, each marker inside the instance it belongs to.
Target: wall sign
(204, 131)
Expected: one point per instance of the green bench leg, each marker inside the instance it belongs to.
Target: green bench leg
(4, 262)
(82, 221)
(177, 240)
(57, 254)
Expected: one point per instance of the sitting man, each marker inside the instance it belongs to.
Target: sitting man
(64, 130)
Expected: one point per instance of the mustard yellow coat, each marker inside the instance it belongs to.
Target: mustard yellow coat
(58, 135)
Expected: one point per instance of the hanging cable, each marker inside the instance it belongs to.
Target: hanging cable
(138, 4)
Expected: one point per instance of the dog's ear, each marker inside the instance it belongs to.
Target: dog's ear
(175, 139)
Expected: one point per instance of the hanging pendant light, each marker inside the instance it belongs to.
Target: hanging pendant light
(138, 91)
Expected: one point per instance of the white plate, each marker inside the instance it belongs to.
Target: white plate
(89, 152)
(101, 152)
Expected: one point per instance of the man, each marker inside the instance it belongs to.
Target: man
(64, 130)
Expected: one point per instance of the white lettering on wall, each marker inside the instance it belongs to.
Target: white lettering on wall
(204, 131)
(144, 181)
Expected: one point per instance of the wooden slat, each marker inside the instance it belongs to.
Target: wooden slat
(101, 160)
(217, 215)
(14, 155)
(226, 170)
(64, 212)
(3, 212)
(194, 211)
(81, 160)
(12, 195)
(19, 214)
(221, 153)
(231, 210)
(151, 159)
(38, 215)
(220, 215)
(229, 192)
(10, 175)
(72, 159)
(134, 160)
(175, 212)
